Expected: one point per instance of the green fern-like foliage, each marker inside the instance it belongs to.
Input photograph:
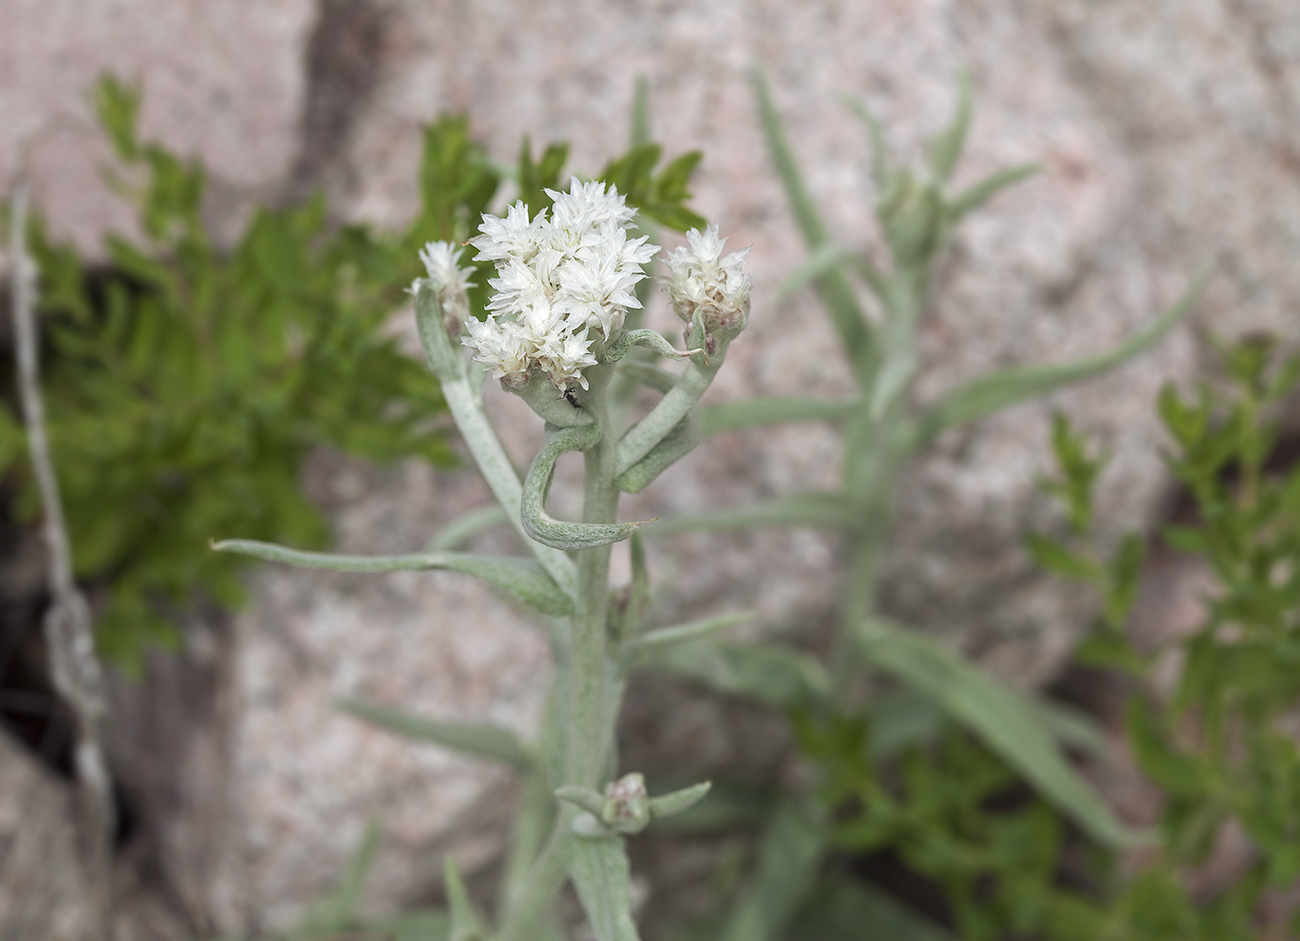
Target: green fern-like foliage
(185, 384)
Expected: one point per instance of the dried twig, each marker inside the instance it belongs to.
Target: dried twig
(75, 669)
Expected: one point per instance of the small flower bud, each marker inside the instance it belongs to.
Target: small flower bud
(450, 281)
(708, 287)
(627, 804)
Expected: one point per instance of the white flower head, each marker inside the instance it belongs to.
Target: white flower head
(704, 282)
(564, 279)
(451, 281)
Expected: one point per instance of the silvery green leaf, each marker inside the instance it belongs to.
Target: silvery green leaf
(814, 510)
(466, 925)
(774, 675)
(675, 445)
(944, 150)
(336, 911)
(479, 740)
(651, 340)
(992, 393)
(773, 410)
(975, 196)
(661, 380)
(539, 524)
(466, 525)
(639, 440)
(521, 578)
(678, 801)
(1006, 721)
(833, 286)
(788, 860)
(881, 171)
(826, 257)
(637, 648)
(599, 869)
(587, 798)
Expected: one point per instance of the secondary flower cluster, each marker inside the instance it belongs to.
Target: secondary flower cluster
(704, 282)
(563, 281)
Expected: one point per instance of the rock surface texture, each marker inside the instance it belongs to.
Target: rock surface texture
(1169, 136)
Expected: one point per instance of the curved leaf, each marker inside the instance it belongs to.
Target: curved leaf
(521, 578)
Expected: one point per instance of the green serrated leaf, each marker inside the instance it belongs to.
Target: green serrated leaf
(477, 739)
(1005, 721)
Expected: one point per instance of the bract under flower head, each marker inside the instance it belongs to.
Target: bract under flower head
(704, 282)
(563, 280)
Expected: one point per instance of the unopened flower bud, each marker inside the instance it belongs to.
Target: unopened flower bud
(709, 287)
(627, 804)
(450, 281)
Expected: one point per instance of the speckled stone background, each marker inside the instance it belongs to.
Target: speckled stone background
(1169, 134)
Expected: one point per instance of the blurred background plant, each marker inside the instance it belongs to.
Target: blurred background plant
(186, 382)
(917, 751)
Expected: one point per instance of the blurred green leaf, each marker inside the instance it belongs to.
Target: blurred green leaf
(989, 394)
(480, 740)
(770, 674)
(1004, 720)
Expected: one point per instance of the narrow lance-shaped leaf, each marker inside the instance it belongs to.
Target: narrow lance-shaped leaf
(480, 740)
(836, 292)
(972, 198)
(1005, 721)
(775, 410)
(788, 860)
(599, 869)
(944, 151)
(466, 925)
(676, 802)
(468, 524)
(523, 579)
(774, 675)
(641, 438)
(816, 510)
(336, 911)
(543, 527)
(990, 394)
(662, 637)
(678, 443)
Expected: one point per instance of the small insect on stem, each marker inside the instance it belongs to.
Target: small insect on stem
(571, 398)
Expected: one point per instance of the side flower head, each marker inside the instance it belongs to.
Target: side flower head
(450, 281)
(565, 281)
(707, 286)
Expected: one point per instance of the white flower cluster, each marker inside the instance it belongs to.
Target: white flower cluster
(561, 280)
(701, 279)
